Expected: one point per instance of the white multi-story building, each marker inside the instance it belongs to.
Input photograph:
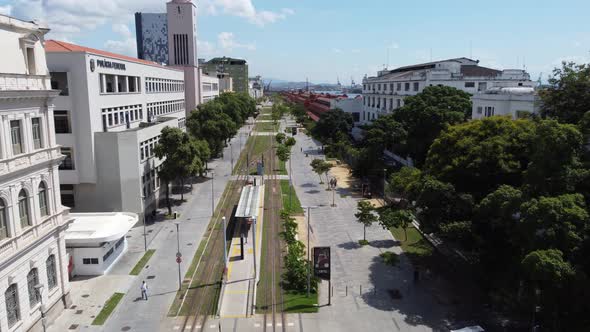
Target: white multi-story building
(33, 259)
(210, 88)
(108, 120)
(517, 102)
(385, 92)
(255, 87)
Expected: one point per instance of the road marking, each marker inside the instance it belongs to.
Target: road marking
(177, 327)
(290, 324)
(279, 324)
(269, 324)
(212, 326)
(197, 327)
(256, 324)
(188, 327)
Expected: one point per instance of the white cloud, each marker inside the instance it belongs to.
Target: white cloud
(226, 41)
(356, 51)
(6, 10)
(127, 45)
(205, 48)
(336, 50)
(245, 9)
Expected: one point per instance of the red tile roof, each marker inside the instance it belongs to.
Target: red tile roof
(55, 46)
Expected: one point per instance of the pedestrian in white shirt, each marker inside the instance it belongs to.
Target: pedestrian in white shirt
(144, 290)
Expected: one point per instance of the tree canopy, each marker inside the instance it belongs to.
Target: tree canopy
(567, 98)
(332, 124)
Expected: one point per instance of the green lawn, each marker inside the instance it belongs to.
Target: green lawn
(283, 168)
(108, 308)
(144, 259)
(294, 302)
(416, 247)
(266, 126)
(296, 205)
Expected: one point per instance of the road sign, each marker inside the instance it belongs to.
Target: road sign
(178, 260)
(321, 262)
(178, 255)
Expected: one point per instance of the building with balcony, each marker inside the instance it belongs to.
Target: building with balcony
(108, 124)
(384, 93)
(517, 102)
(34, 285)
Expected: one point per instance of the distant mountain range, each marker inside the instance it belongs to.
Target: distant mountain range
(278, 84)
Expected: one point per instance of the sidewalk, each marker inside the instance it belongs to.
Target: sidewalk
(238, 293)
(160, 273)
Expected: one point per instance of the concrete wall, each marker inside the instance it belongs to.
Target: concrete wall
(503, 104)
(79, 253)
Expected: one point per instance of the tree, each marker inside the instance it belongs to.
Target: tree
(182, 157)
(559, 222)
(478, 156)
(283, 153)
(567, 98)
(385, 133)
(390, 218)
(317, 166)
(211, 124)
(547, 266)
(290, 141)
(554, 160)
(426, 114)
(405, 182)
(330, 124)
(280, 138)
(365, 216)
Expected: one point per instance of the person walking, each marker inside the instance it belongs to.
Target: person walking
(144, 290)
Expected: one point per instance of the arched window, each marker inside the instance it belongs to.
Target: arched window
(12, 307)
(23, 209)
(32, 281)
(51, 272)
(43, 199)
(3, 220)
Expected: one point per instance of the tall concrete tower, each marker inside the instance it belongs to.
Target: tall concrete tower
(182, 47)
(182, 33)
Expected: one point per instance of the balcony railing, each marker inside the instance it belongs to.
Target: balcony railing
(16, 82)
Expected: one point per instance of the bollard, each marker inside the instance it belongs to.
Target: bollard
(361, 290)
(346, 290)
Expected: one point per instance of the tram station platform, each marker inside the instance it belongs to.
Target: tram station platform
(237, 292)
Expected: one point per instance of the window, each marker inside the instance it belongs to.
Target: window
(67, 195)
(32, 281)
(416, 86)
(391, 87)
(62, 122)
(43, 199)
(23, 209)
(479, 109)
(407, 87)
(482, 86)
(3, 220)
(68, 162)
(90, 261)
(16, 137)
(470, 84)
(119, 243)
(37, 142)
(489, 111)
(12, 306)
(108, 254)
(399, 87)
(31, 61)
(51, 272)
(399, 103)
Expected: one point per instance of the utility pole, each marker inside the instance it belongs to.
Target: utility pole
(224, 245)
(212, 194)
(290, 184)
(308, 249)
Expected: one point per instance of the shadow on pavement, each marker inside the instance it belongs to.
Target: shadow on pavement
(384, 243)
(308, 185)
(349, 245)
(416, 302)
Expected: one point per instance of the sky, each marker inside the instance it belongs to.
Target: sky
(324, 40)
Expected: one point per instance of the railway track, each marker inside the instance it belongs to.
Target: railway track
(202, 298)
(274, 317)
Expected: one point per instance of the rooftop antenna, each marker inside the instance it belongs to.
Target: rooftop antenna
(523, 63)
(307, 84)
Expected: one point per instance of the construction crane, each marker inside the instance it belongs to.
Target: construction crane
(540, 80)
(267, 88)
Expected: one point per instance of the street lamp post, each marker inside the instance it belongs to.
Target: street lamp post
(254, 247)
(224, 245)
(39, 290)
(212, 194)
(178, 254)
(290, 184)
(231, 153)
(308, 249)
(144, 222)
